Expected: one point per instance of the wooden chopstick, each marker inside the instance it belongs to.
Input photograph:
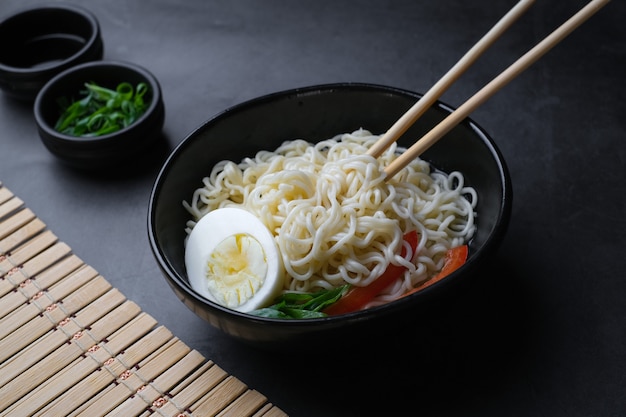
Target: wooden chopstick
(429, 98)
(495, 85)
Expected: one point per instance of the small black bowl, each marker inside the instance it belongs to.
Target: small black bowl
(41, 42)
(106, 151)
(317, 113)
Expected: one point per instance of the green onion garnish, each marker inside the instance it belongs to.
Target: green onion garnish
(301, 306)
(102, 110)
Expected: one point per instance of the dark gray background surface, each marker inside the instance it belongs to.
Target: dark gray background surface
(542, 333)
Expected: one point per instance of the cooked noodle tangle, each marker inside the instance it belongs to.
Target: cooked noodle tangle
(335, 218)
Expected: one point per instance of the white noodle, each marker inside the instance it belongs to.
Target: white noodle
(335, 218)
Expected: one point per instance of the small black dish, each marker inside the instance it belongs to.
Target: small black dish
(316, 113)
(38, 43)
(109, 151)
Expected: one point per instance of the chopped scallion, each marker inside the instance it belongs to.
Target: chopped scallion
(102, 110)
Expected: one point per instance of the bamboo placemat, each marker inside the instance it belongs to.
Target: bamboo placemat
(72, 345)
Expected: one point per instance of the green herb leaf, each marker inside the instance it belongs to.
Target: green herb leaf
(300, 305)
(102, 110)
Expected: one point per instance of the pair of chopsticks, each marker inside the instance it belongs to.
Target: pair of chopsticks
(462, 112)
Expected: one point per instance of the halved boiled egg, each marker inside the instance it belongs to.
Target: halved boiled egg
(233, 260)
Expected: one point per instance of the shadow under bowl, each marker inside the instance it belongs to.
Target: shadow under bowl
(40, 42)
(317, 113)
(110, 151)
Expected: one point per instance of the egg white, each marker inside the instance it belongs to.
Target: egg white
(215, 227)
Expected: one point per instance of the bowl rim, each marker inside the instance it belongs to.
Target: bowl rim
(174, 279)
(69, 139)
(78, 11)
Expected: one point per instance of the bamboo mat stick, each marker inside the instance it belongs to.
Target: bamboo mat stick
(31, 355)
(15, 262)
(157, 398)
(42, 260)
(116, 395)
(54, 386)
(21, 235)
(36, 376)
(32, 387)
(32, 286)
(10, 206)
(168, 379)
(68, 352)
(164, 405)
(27, 262)
(270, 411)
(5, 194)
(35, 246)
(72, 345)
(46, 313)
(145, 394)
(117, 340)
(61, 381)
(152, 367)
(157, 352)
(217, 399)
(39, 301)
(29, 331)
(202, 372)
(56, 271)
(76, 395)
(192, 389)
(138, 383)
(245, 405)
(16, 275)
(428, 99)
(120, 368)
(263, 411)
(11, 224)
(89, 384)
(494, 86)
(38, 350)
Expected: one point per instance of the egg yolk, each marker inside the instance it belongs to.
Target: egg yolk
(236, 269)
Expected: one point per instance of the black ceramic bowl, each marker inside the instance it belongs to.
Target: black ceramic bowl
(38, 43)
(317, 113)
(109, 150)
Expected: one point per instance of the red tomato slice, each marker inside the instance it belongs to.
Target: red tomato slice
(357, 297)
(454, 258)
